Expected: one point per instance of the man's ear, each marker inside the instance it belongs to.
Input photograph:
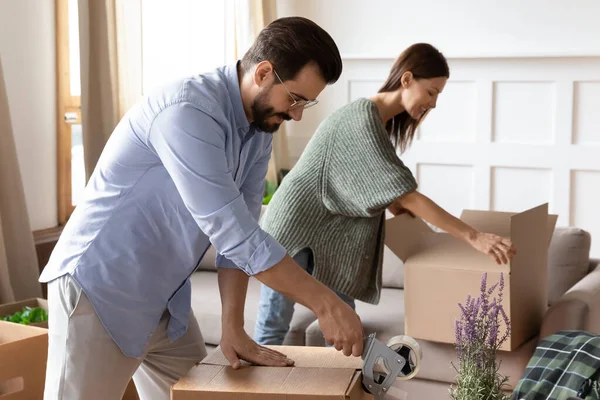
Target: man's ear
(406, 79)
(263, 73)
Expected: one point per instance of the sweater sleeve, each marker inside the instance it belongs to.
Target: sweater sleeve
(362, 173)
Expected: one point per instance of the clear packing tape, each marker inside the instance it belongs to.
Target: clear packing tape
(398, 359)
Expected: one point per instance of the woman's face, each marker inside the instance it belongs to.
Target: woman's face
(420, 95)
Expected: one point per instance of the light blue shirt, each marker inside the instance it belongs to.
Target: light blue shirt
(183, 169)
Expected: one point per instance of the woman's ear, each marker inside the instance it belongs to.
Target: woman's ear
(406, 79)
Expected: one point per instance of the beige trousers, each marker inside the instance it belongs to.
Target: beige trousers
(85, 363)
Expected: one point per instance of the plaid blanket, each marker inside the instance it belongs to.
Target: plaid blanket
(564, 365)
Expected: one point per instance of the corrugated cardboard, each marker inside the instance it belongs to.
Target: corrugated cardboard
(11, 308)
(440, 271)
(23, 355)
(319, 373)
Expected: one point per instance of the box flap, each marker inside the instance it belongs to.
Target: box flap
(447, 252)
(499, 222)
(320, 373)
(209, 380)
(304, 357)
(355, 389)
(488, 221)
(406, 235)
(529, 233)
(551, 226)
(11, 332)
(550, 219)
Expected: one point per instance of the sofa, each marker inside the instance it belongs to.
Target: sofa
(573, 304)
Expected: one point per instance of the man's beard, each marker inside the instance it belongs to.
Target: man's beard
(261, 111)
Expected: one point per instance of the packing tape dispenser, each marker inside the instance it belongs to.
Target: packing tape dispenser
(383, 363)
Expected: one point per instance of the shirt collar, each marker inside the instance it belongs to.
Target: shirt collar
(233, 87)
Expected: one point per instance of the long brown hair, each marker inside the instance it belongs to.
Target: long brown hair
(425, 62)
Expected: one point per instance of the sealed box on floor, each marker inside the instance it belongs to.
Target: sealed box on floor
(23, 355)
(319, 373)
(440, 271)
(18, 306)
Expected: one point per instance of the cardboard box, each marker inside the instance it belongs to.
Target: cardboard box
(11, 308)
(23, 351)
(440, 271)
(319, 373)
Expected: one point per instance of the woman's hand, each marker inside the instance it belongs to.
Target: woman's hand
(499, 248)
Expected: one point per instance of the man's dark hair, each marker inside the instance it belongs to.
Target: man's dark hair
(292, 42)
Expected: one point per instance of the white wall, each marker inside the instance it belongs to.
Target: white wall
(27, 50)
(460, 28)
(517, 124)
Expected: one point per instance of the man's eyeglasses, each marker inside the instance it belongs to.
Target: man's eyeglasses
(296, 104)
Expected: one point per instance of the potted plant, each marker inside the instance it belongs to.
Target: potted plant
(478, 338)
(270, 189)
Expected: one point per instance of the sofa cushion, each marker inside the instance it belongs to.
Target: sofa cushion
(568, 260)
(386, 318)
(206, 304)
(208, 261)
(437, 358)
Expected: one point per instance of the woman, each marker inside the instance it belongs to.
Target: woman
(329, 211)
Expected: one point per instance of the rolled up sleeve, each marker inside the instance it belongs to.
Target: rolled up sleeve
(253, 191)
(191, 146)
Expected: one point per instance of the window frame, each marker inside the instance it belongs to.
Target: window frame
(67, 105)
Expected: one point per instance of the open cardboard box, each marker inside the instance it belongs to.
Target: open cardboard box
(319, 373)
(23, 355)
(11, 308)
(24, 378)
(440, 271)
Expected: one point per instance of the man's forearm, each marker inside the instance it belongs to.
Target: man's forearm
(289, 279)
(233, 286)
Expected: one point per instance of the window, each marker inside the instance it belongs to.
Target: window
(70, 168)
(182, 37)
(178, 38)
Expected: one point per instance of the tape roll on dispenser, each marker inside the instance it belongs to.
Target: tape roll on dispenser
(400, 359)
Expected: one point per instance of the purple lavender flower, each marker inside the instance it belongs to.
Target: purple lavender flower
(478, 331)
(458, 333)
(494, 326)
(478, 337)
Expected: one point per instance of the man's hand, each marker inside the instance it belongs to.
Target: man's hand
(338, 321)
(237, 345)
(341, 327)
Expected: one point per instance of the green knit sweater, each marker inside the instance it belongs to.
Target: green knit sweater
(333, 201)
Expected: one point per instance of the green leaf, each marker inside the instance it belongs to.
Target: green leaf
(16, 317)
(267, 199)
(26, 313)
(270, 188)
(27, 316)
(38, 315)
